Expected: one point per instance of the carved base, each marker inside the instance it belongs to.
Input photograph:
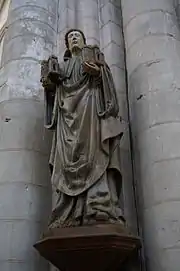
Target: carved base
(101, 247)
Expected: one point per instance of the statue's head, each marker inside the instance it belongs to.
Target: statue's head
(75, 39)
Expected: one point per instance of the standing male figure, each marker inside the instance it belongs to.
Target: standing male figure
(81, 108)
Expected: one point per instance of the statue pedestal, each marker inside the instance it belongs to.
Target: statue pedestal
(100, 247)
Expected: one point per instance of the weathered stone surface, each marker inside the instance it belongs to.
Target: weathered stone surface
(88, 9)
(141, 53)
(111, 51)
(91, 32)
(66, 19)
(116, 3)
(156, 185)
(24, 201)
(161, 256)
(151, 23)
(119, 79)
(13, 86)
(24, 178)
(111, 32)
(110, 13)
(162, 226)
(152, 46)
(163, 139)
(32, 12)
(48, 6)
(112, 43)
(28, 46)
(144, 6)
(31, 27)
(17, 140)
(28, 164)
(145, 78)
(5, 239)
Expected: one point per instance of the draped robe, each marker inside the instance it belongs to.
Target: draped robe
(84, 160)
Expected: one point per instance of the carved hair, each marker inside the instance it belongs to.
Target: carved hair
(67, 53)
(71, 30)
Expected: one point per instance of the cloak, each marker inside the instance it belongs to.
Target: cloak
(83, 113)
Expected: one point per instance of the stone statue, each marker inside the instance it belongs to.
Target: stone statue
(82, 110)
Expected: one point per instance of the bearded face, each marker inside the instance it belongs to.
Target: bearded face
(75, 40)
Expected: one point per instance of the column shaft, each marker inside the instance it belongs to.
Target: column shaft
(25, 189)
(112, 44)
(153, 63)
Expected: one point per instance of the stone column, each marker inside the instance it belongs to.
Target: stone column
(67, 18)
(88, 19)
(112, 44)
(25, 189)
(153, 63)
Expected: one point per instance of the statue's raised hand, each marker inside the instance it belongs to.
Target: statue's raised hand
(91, 68)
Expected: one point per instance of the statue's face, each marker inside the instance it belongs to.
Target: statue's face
(75, 40)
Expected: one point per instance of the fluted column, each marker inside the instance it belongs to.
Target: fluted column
(112, 44)
(67, 19)
(82, 14)
(88, 19)
(25, 190)
(153, 62)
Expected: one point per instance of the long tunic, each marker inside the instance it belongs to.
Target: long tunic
(85, 149)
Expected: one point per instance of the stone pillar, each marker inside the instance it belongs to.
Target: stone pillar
(112, 44)
(25, 189)
(153, 63)
(88, 19)
(66, 19)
